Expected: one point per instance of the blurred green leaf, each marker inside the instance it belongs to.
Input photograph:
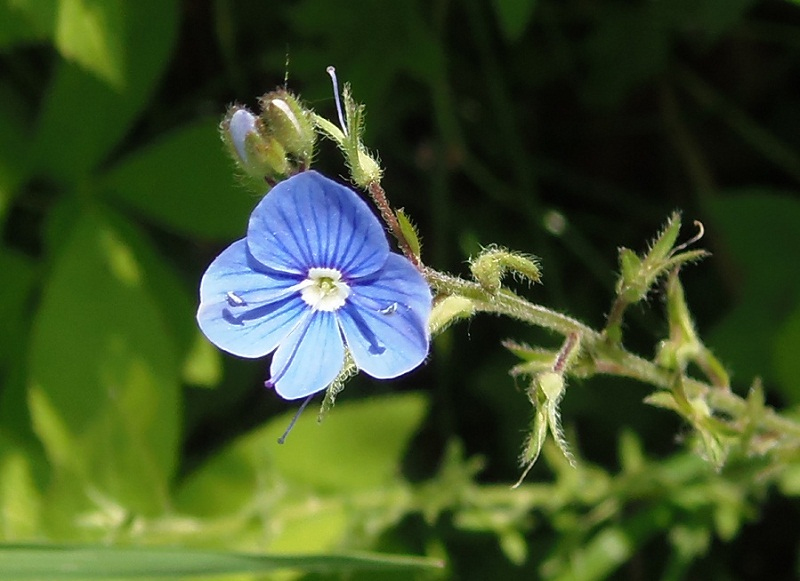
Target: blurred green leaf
(20, 498)
(26, 21)
(702, 19)
(514, 17)
(14, 146)
(785, 360)
(90, 32)
(103, 386)
(185, 182)
(612, 546)
(625, 49)
(19, 276)
(53, 562)
(83, 118)
(760, 233)
(357, 447)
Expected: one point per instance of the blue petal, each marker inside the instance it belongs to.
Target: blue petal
(385, 320)
(245, 309)
(310, 358)
(310, 221)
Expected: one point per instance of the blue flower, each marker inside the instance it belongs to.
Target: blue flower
(314, 276)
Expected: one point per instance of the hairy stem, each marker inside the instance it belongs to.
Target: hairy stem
(607, 358)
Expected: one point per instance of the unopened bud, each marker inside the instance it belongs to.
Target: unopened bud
(290, 124)
(256, 152)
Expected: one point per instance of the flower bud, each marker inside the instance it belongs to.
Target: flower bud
(256, 152)
(290, 124)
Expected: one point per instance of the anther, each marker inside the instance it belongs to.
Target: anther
(235, 300)
(390, 310)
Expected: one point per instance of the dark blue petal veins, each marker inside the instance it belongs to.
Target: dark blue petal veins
(251, 296)
(385, 320)
(310, 221)
(245, 309)
(310, 358)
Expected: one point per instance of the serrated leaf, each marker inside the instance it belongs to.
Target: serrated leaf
(103, 387)
(82, 117)
(90, 33)
(185, 183)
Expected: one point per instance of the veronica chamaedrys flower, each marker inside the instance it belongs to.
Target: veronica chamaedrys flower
(313, 276)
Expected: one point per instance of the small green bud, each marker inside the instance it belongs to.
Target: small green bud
(491, 265)
(449, 310)
(290, 124)
(364, 168)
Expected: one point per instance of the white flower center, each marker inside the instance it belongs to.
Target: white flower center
(324, 289)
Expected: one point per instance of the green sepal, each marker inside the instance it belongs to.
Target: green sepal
(409, 232)
(662, 246)
(528, 353)
(348, 371)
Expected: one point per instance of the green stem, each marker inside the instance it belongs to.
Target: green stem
(507, 303)
(608, 358)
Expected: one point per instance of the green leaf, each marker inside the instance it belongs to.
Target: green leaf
(760, 234)
(184, 182)
(514, 17)
(14, 145)
(357, 447)
(626, 48)
(20, 497)
(26, 21)
(90, 33)
(15, 292)
(785, 360)
(608, 549)
(83, 117)
(103, 388)
(54, 562)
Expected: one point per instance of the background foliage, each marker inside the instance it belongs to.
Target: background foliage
(563, 129)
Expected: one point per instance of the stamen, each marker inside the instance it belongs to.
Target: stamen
(332, 72)
(235, 300)
(390, 310)
(282, 439)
